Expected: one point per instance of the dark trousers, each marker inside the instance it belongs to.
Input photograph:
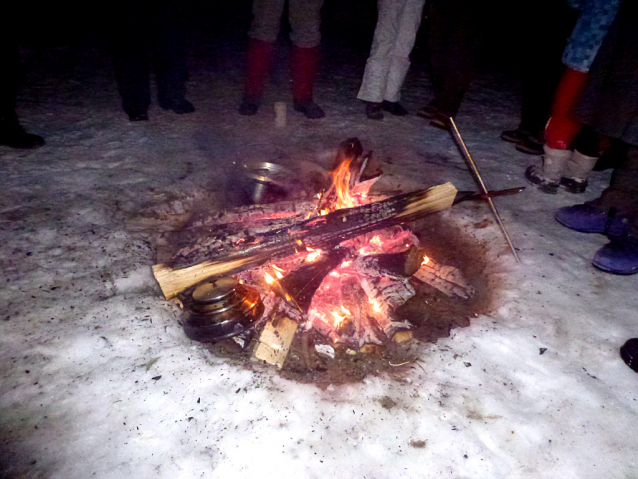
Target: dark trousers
(454, 41)
(545, 29)
(146, 32)
(9, 78)
(622, 193)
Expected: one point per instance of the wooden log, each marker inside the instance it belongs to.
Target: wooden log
(275, 341)
(323, 232)
(403, 264)
(302, 283)
(447, 279)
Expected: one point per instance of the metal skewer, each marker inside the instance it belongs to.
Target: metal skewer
(468, 157)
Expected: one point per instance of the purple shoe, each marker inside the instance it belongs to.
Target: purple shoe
(620, 256)
(629, 353)
(589, 219)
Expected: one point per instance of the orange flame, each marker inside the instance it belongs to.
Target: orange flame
(269, 279)
(375, 306)
(340, 316)
(341, 180)
(313, 254)
(426, 260)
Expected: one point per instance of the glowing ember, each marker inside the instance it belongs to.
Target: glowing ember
(426, 260)
(269, 279)
(313, 254)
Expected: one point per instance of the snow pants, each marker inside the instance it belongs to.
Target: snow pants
(304, 17)
(389, 61)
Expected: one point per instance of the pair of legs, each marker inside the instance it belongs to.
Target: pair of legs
(562, 166)
(389, 61)
(145, 31)
(305, 22)
(544, 29)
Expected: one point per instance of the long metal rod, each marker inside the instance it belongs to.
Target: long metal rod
(468, 157)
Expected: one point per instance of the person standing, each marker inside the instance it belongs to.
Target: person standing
(305, 23)
(143, 29)
(609, 105)
(389, 61)
(562, 166)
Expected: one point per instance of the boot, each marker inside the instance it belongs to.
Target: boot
(304, 65)
(548, 176)
(13, 135)
(576, 172)
(258, 61)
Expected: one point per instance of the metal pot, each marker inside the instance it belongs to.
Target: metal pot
(219, 309)
(267, 179)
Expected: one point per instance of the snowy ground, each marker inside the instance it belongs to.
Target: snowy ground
(86, 335)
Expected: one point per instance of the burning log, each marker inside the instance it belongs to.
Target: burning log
(447, 279)
(302, 283)
(324, 232)
(394, 265)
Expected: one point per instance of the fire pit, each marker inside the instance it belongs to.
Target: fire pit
(336, 279)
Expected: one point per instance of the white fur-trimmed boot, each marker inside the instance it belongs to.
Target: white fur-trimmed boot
(548, 176)
(577, 171)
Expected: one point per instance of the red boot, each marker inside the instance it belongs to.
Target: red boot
(304, 65)
(258, 61)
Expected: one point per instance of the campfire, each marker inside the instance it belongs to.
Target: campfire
(340, 265)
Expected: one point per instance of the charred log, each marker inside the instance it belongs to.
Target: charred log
(323, 232)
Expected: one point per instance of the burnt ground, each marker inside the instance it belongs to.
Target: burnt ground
(434, 314)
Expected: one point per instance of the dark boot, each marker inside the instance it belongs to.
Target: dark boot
(304, 66)
(548, 176)
(258, 61)
(577, 171)
(13, 135)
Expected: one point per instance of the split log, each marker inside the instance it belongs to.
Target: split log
(447, 279)
(323, 232)
(395, 265)
(275, 341)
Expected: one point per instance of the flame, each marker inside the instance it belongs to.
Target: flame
(313, 254)
(278, 271)
(269, 279)
(341, 182)
(324, 212)
(376, 241)
(375, 306)
(340, 316)
(426, 260)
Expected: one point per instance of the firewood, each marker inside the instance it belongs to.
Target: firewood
(402, 264)
(275, 340)
(402, 336)
(447, 279)
(302, 283)
(324, 232)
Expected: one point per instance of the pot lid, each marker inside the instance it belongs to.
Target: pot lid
(214, 290)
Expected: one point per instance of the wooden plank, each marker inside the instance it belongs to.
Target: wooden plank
(275, 341)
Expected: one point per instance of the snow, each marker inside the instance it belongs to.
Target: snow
(98, 379)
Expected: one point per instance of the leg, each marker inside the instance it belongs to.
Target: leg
(373, 85)
(453, 42)
(409, 22)
(11, 133)
(262, 37)
(170, 58)
(129, 45)
(305, 21)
